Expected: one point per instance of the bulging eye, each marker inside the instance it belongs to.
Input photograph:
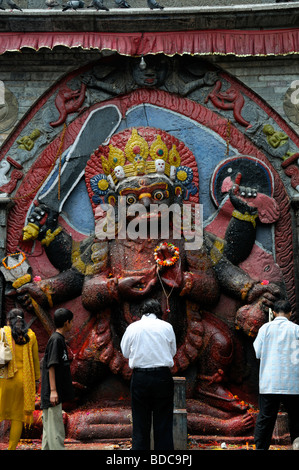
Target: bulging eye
(159, 195)
(131, 199)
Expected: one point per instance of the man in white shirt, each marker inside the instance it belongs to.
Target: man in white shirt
(277, 347)
(150, 346)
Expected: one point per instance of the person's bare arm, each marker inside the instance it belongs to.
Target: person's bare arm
(53, 391)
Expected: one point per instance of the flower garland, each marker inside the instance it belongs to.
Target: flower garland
(16, 265)
(169, 261)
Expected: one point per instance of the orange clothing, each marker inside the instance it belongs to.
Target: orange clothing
(17, 393)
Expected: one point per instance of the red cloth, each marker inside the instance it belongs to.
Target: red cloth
(206, 42)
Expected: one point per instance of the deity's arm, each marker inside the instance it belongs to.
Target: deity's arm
(43, 226)
(58, 246)
(74, 260)
(49, 292)
(208, 79)
(210, 272)
(237, 283)
(233, 280)
(240, 234)
(99, 291)
(199, 279)
(92, 82)
(106, 289)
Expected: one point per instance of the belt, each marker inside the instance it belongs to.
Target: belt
(149, 369)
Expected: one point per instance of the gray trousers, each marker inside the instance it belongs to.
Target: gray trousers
(53, 429)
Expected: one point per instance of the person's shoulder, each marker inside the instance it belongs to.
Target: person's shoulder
(6, 329)
(55, 338)
(166, 324)
(31, 334)
(294, 325)
(132, 326)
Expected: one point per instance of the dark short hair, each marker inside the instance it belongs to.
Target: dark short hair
(282, 306)
(151, 306)
(61, 315)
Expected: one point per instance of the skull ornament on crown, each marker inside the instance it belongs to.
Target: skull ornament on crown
(160, 166)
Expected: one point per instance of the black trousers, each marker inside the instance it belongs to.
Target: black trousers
(152, 403)
(269, 407)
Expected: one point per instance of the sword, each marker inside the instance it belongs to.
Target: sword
(99, 127)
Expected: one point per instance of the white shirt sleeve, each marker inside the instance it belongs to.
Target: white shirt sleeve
(125, 344)
(173, 344)
(258, 343)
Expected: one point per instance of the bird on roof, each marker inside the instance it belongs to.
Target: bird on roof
(73, 4)
(51, 3)
(13, 5)
(98, 5)
(152, 4)
(122, 4)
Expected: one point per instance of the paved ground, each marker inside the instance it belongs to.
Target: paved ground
(31, 444)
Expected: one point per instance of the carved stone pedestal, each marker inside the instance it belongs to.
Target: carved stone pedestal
(180, 414)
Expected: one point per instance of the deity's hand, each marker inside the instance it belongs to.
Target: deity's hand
(210, 78)
(242, 198)
(134, 286)
(88, 80)
(172, 276)
(254, 314)
(41, 219)
(169, 268)
(266, 293)
(30, 291)
(248, 200)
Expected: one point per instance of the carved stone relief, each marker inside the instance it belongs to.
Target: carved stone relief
(179, 131)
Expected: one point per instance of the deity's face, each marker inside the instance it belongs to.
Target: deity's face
(146, 190)
(152, 74)
(148, 200)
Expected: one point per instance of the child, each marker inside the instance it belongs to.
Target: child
(56, 382)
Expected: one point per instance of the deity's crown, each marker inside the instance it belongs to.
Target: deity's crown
(130, 154)
(140, 158)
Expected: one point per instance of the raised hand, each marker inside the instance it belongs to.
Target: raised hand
(41, 219)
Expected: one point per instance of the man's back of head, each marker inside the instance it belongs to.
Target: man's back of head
(151, 306)
(282, 307)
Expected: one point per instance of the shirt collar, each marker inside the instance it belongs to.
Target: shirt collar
(146, 317)
(280, 319)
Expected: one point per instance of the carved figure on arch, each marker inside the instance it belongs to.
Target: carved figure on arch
(68, 101)
(230, 99)
(149, 72)
(7, 185)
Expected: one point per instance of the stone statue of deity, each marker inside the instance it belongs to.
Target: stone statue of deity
(138, 251)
